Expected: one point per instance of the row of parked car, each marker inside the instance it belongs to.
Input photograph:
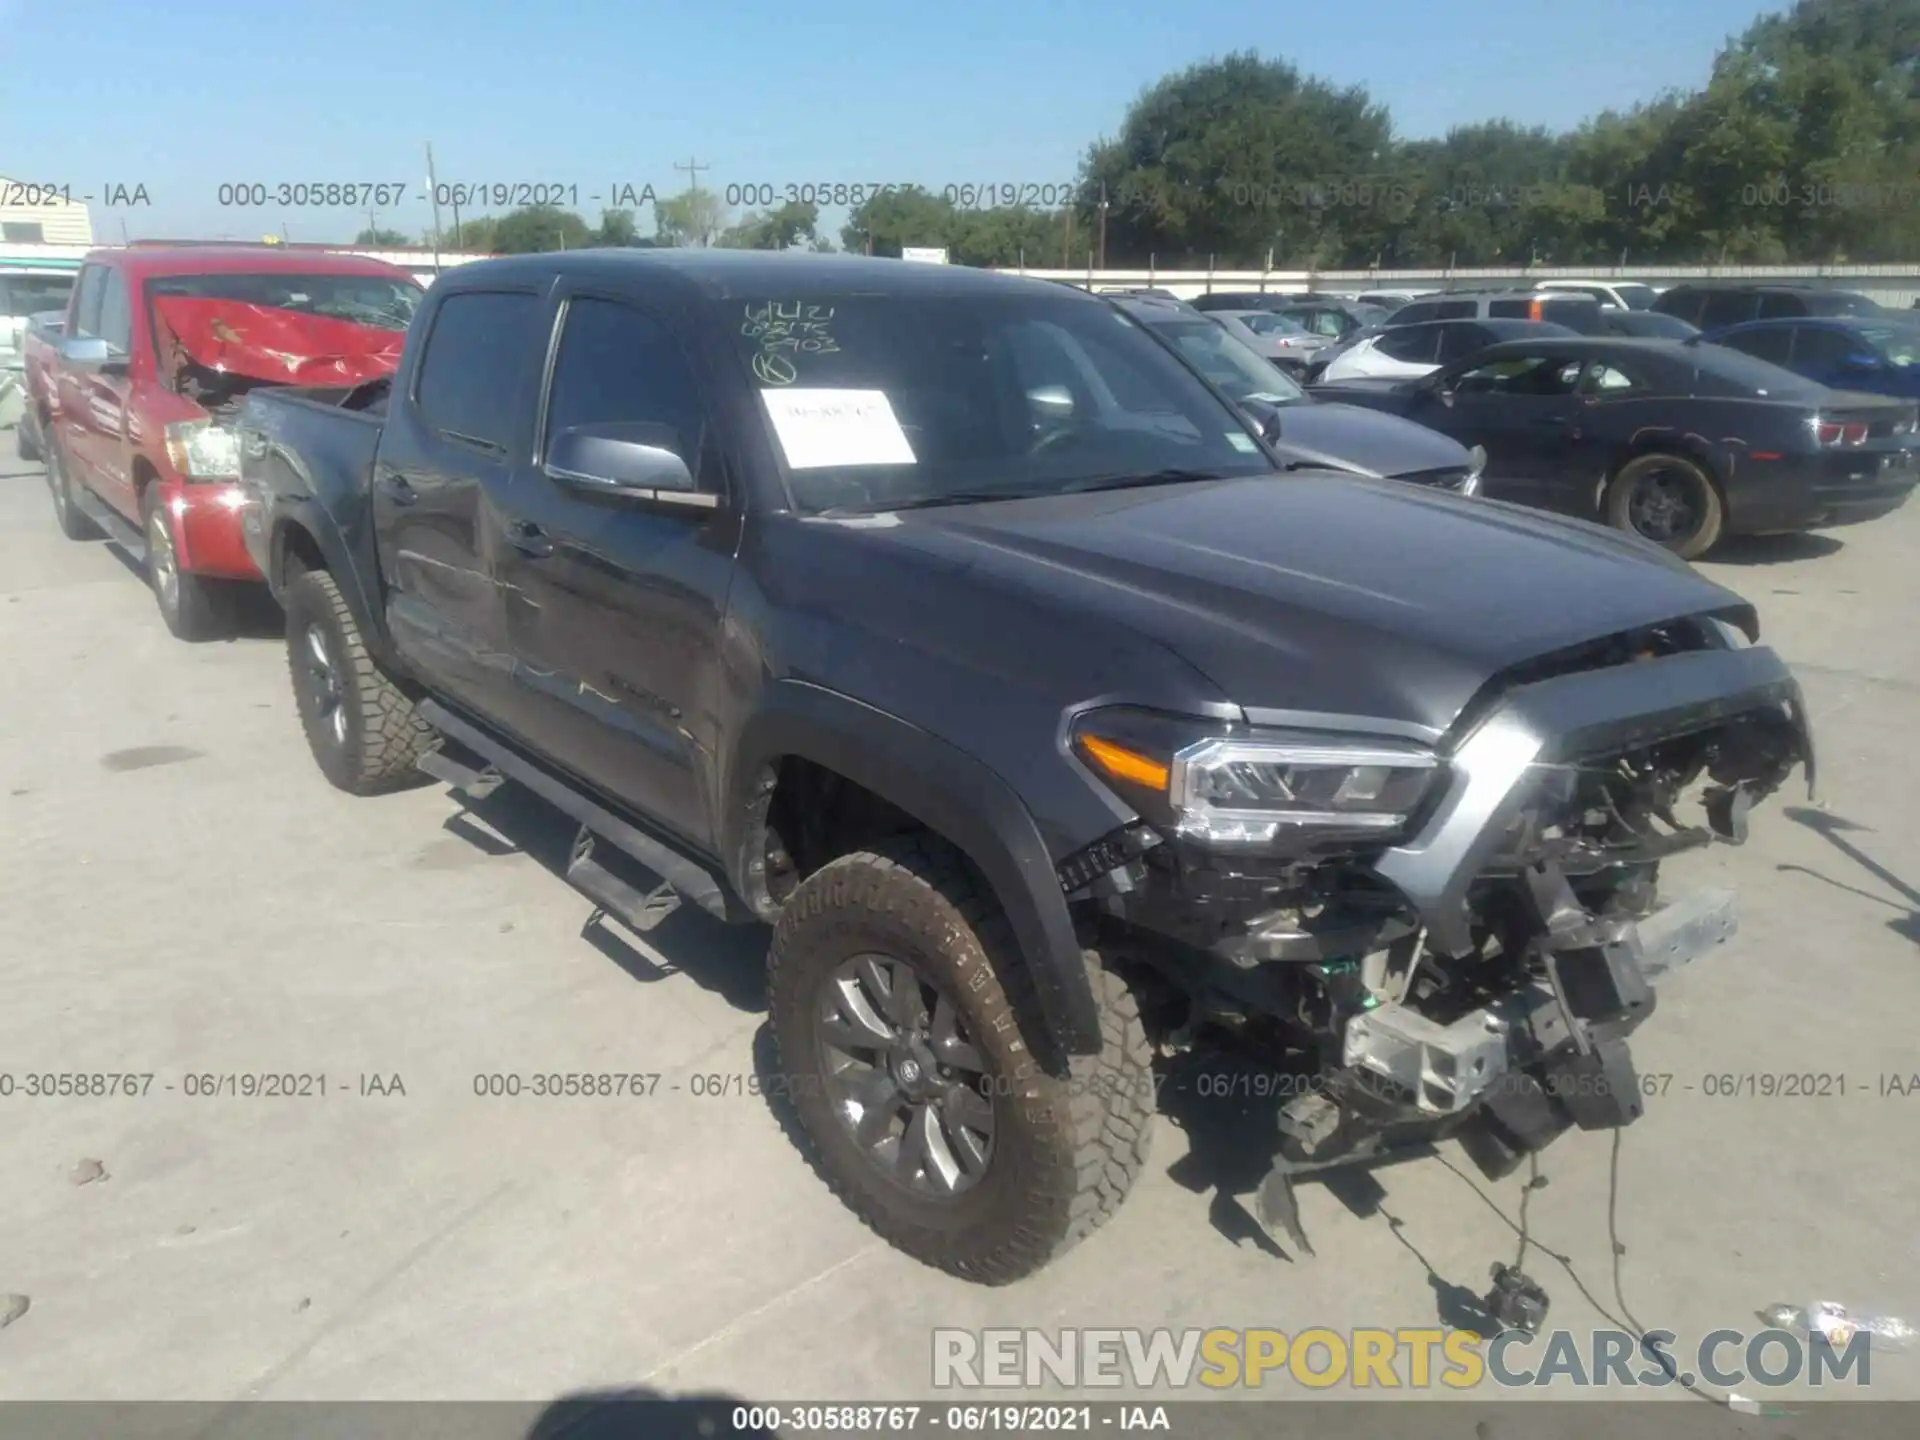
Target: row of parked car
(1018, 656)
(1602, 399)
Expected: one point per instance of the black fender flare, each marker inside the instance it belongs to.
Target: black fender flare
(313, 519)
(945, 789)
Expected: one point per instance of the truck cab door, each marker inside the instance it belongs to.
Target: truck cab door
(457, 435)
(615, 593)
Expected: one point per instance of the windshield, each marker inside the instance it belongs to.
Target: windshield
(1899, 344)
(1637, 297)
(877, 401)
(1240, 371)
(363, 299)
(1265, 322)
(1841, 302)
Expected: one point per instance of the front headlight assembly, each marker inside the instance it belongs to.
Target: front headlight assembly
(1256, 788)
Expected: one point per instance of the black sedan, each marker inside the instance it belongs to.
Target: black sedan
(1680, 443)
(1342, 436)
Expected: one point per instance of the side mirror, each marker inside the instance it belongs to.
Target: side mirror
(1266, 419)
(636, 459)
(89, 352)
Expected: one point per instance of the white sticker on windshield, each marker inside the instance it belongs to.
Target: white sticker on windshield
(1242, 442)
(818, 428)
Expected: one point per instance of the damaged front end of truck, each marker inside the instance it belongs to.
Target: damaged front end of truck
(1449, 940)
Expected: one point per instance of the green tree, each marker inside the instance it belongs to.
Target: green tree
(475, 233)
(886, 222)
(617, 230)
(695, 217)
(793, 226)
(382, 235)
(540, 227)
(1234, 156)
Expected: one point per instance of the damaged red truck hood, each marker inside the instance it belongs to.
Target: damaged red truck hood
(262, 342)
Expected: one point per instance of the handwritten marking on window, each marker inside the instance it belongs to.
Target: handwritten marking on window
(786, 330)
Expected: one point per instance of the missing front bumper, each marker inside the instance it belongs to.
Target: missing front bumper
(1447, 1069)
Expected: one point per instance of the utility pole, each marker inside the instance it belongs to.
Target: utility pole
(433, 194)
(693, 168)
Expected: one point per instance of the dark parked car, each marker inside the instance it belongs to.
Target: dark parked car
(1714, 305)
(1408, 351)
(1321, 314)
(1879, 357)
(1646, 325)
(947, 623)
(1679, 443)
(1298, 424)
(1581, 313)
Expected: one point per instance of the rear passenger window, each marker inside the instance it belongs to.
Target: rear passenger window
(476, 359)
(1417, 346)
(1768, 345)
(1681, 304)
(1455, 310)
(1726, 307)
(1414, 314)
(1510, 309)
(620, 365)
(1781, 307)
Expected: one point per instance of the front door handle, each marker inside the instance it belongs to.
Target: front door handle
(529, 539)
(398, 490)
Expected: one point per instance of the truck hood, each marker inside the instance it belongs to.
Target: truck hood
(1322, 593)
(264, 342)
(1386, 444)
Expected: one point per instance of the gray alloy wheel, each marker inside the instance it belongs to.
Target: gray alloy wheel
(162, 564)
(904, 1077)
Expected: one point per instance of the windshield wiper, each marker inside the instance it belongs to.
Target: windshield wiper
(928, 502)
(1136, 481)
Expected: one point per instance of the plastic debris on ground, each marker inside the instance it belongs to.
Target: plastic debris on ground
(1837, 1326)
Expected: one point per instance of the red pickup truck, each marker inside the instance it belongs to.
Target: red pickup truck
(161, 344)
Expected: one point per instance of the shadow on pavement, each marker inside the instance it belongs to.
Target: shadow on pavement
(639, 1412)
(1775, 549)
(729, 960)
(1834, 829)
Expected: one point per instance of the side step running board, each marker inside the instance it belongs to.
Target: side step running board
(688, 876)
(475, 784)
(119, 530)
(639, 911)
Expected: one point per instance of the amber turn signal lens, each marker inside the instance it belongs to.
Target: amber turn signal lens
(1125, 764)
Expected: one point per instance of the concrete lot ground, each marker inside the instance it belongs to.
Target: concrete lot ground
(181, 893)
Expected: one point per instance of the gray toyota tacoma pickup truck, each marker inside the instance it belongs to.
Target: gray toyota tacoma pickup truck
(954, 627)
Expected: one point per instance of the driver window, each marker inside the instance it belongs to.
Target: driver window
(1608, 380)
(1506, 377)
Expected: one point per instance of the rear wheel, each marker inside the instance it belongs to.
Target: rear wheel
(364, 732)
(1670, 501)
(898, 1003)
(72, 520)
(195, 607)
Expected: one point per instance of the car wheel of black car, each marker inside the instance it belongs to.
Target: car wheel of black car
(363, 730)
(1669, 500)
(72, 520)
(898, 1004)
(194, 606)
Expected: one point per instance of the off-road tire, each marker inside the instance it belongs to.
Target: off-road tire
(1707, 497)
(1066, 1149)
(72, 520)
(194, 607)
(383, 733)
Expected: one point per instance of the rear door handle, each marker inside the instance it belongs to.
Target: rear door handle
(529, 539)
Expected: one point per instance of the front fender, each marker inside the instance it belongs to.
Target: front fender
(945, 789)
(308, 518)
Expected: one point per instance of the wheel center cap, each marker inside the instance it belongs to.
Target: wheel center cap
(910, 1070)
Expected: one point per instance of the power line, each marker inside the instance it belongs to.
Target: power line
(693, 168)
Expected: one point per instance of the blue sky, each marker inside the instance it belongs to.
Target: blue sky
(182, 98)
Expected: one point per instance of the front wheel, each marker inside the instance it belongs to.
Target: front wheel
(898, 1002)
(1670, 501)
(195, 607)
(364, 732)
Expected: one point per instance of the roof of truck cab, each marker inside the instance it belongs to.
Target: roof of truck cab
(142, 261)
(724, 274)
